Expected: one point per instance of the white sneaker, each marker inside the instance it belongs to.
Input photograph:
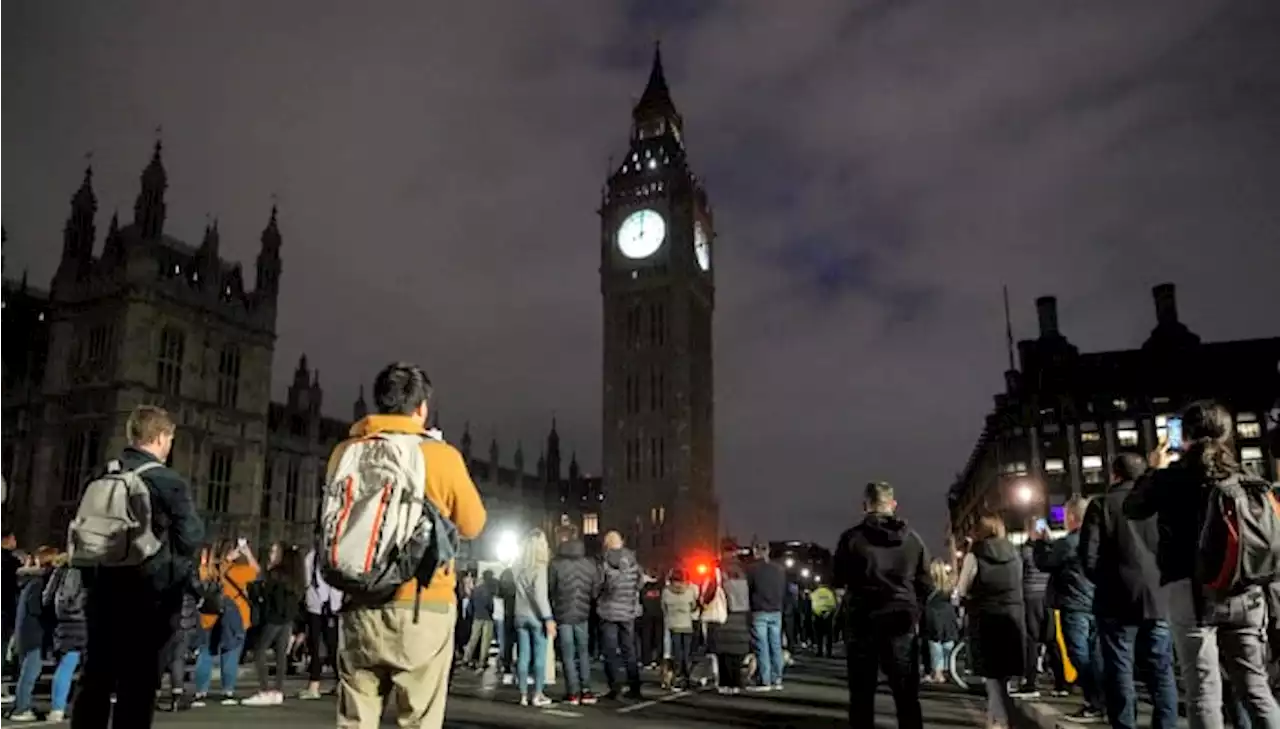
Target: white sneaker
(508, 679)
(53, 717)
(541, 701)
(309, 695)
(265, 698)
(230, 700)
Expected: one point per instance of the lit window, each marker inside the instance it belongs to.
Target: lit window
(1090, 436)
(1251, 454)
(1127, 437)
(653, 164)
(177, 270)
(1054, 465)
(1120, 403)
(635, 156)
(1162, 421)
(590, 524)
(1092, 462)
(1249, 430)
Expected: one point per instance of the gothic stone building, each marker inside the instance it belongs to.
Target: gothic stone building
(154, 320)
(1065, 415)
(657, 279)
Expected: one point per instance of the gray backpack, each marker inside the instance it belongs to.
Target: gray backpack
(376, 529)
(112, 526)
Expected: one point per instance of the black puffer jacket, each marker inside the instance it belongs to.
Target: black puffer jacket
(1035, 582)
(621, 580)
(575, 580)
(66, 612)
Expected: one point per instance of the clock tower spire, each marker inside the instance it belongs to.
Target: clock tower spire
(658, 287)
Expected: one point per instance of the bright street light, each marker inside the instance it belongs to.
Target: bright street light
(508, 547)
(805, 573)
(817, 579)
(1024, 493)
(790, 563)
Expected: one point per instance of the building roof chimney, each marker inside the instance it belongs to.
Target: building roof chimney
(1166, 298)
(1047, 309)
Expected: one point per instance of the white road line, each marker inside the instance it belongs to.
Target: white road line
(655, 702)
(562, 713)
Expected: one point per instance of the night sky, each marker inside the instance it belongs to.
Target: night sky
(877, 175)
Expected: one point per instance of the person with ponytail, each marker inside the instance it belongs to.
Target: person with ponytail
(1204, 623)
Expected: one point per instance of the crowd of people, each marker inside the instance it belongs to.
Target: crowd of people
(1127, 590)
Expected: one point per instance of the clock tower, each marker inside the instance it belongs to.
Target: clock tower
(657, 240)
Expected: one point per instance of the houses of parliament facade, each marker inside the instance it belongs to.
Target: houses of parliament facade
(155, 320)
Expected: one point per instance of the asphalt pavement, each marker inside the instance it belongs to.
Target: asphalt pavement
(814, 697)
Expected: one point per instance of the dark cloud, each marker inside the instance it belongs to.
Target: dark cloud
(878, 172)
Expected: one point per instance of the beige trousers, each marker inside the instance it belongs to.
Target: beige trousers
(382, 647)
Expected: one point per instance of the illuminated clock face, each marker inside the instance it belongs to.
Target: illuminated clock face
(701, 246)
(641, 234)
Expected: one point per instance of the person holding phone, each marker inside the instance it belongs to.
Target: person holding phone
(236, 569)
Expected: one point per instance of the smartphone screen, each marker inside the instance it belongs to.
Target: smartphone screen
(1173, 434)
(1042, 525)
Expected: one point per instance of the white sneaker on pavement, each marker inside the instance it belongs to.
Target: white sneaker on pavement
(265, 698)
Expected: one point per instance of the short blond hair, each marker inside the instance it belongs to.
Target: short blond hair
(147, 423)
(941, 576)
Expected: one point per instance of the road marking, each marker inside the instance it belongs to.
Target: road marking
(562, 713)
(654, 702)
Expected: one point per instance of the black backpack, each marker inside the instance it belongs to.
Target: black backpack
(1239, 537)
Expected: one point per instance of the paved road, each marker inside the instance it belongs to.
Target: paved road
(814, 699)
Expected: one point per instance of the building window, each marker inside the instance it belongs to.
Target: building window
(1092, 462)
(1127, 437)
(657, 457)
(291, 479)
(590, 524)
(96, 354)
(657, 325)
(267, 484)
(657, 388)
(228, 376)
(633, 327)
(1090, 436)
(1054, 465)
(169, 365)
(1120, 404)
(79, 461)
(1092, 466)
(1014, 467)
(1248, 427)
(1251, 456)
(217, 497)
(658, 515)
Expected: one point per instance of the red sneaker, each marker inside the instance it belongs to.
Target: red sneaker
(588, 698)
(572, 699)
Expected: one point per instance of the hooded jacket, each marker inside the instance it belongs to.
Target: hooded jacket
(575, 580)
(998, 582)
(621, 581)
(1035, 581)
(884, 567)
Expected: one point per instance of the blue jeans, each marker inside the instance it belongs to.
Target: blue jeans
(532, 646)
(766, 633)
(28, 672)
(62, 676)
(576, 657)
(1080, 635)
(230, 641)
(1120, 642)
(939, 652)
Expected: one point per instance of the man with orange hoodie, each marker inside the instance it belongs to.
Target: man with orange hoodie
(408, 640)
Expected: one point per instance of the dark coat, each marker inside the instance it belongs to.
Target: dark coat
(621, 580)
(482, 599)
(574, 581)
(70, 627)
(32, 622)
(940, 621)
(884, 567)
(1035, 581)
(996, 622)
(1119, 555)
(1069, 588)
(174, 520)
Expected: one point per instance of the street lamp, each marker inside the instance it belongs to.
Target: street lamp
(508, 547)
(805, 573)
(817, 579)
(1024, 493)
(790, 562)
